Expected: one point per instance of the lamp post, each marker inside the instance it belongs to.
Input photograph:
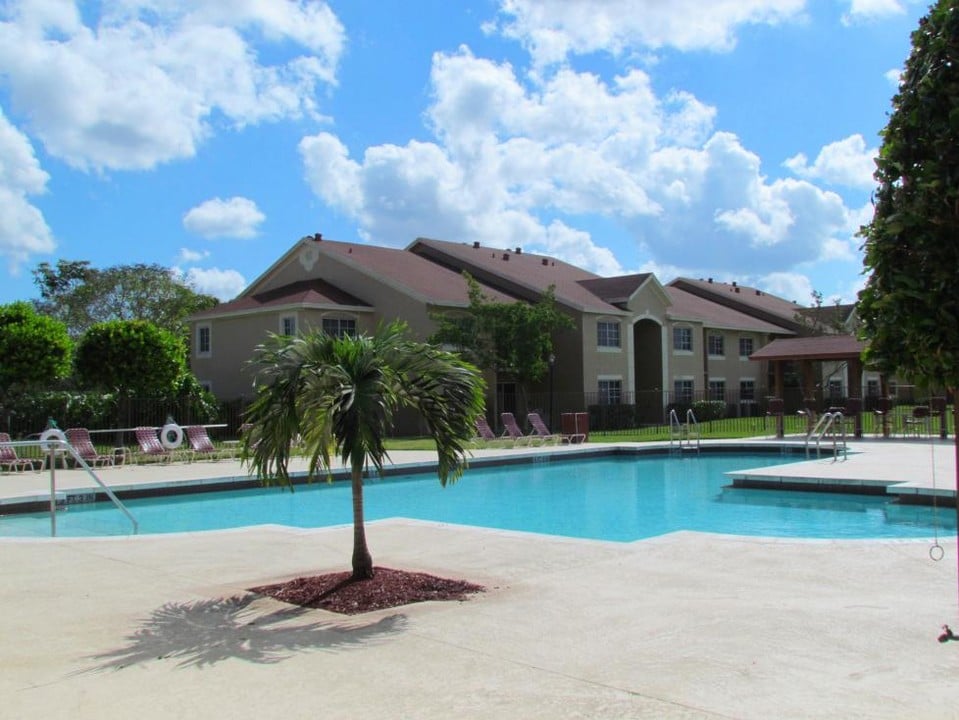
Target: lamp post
(552, 363)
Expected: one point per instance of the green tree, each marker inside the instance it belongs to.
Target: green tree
(132, 358)
(34, 349)
(339, 395)
(512, 338)
(82, 296)
(909, 306)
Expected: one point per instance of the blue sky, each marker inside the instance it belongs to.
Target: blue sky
(723, 138)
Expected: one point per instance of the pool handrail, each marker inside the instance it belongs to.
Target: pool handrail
(53, 447)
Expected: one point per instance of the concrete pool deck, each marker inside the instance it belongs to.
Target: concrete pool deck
(686, 625)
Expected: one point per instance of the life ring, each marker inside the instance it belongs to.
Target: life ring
(171, 436)
(52, 434)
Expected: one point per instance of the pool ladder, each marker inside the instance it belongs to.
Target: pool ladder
(834, 424)
(684, 435)
(53, 449)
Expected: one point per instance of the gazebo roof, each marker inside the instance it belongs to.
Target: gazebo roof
(820, 347)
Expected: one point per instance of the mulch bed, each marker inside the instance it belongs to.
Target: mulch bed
(387, 588)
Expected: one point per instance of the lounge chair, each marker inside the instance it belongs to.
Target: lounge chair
(485, 433)
(150, 446)
(79, 438)
(513, 431)
(9, 460)
(540, 429)
(201, 445)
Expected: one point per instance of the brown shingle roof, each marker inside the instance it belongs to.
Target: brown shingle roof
(749, 300)
(688, 306)
(615, 290)
(434, 283)
(821, 347)
(525, 275)
(314, 292)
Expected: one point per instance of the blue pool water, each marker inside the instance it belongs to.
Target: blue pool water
(614, 498)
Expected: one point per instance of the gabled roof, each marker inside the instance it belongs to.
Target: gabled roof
(830, 317)
(305, 293)
(752, 301)
(691, 307)
(819, 347)
(615, 290)
(524, 275)
(408, 272)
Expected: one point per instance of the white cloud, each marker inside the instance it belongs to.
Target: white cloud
(236, 217)
(186, 255)
(860, 10)
(529, 166)
(846, 162)
(23, 230)
(789, 285)
(222, 284)
(554, 29)
(145, 84)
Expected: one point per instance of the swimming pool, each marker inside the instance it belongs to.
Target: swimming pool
(619, 498)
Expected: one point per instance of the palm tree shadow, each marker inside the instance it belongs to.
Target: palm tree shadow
(207, 632)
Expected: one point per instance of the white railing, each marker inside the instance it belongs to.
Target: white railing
(829, 421)
(684, 433)
(52, 450)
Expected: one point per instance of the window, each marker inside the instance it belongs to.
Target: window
(717, 390)
(607, 334)
(610, 392)
(683, 390)
(206, 385)
(716, 345)
(203, 341)
(338, 327)
(683, 339)
(745, 347)
(872, 388)
(747, 390)
(288, 325)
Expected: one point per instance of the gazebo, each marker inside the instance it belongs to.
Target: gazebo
(806, 351)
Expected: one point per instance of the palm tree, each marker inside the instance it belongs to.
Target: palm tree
(339, 395)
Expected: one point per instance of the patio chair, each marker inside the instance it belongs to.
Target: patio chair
(201, 445)
(150, 446)
(513, 431)
(485, 433)
(9, 460)
(79, 438)
(540, 430)
(919, 422)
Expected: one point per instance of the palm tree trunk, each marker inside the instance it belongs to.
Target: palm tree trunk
(362, 560)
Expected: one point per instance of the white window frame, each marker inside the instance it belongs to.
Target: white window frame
(680, 396)
(688, 332)
(338, 320)
(721, 340)
(608, 326)
(752, 346)
(709, 389)
(200, 328)
(752, 383)
(283, 320)
(604, 397)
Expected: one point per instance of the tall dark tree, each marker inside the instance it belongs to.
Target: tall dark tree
(339, 396)
(909, 306)
(508, 338)
(81, 296)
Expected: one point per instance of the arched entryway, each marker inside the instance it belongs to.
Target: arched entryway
(648, 370)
